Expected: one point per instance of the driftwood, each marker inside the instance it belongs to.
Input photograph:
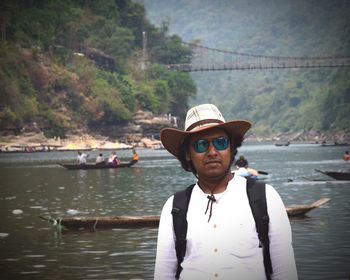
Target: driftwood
(104, 222)
(298, 210)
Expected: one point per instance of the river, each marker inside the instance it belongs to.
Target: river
(33, 185)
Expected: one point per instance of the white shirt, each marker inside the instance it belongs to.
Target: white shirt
(82, 158)
(226, 247)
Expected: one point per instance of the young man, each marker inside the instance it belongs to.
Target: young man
(82, 158)
(222, 241)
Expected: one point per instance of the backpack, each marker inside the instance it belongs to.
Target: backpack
(257, 201)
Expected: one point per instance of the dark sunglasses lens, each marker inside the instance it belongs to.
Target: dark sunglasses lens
(201, 145)
(220, 143)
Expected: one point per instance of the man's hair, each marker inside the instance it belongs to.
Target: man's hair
(235, 142)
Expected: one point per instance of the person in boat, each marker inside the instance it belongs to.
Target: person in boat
(82, 158)
(221, 233)
(113, 159)
(135, 156)
(346, 156)
(243, 169)
(100, 160)
(241, 162)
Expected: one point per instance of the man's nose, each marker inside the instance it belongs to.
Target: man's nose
(211, 148)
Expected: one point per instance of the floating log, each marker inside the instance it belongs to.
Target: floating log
(299, 210)
(152, 221)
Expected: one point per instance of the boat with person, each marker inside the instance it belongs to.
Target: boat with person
(282, 144)
(343, 176)
(148, 221)
(86, 166)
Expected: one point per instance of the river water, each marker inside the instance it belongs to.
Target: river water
(33, 184)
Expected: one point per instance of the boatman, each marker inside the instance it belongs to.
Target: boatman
(135, 156)
(219, 237)
(82, 158)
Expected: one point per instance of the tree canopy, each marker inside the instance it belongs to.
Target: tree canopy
(76, 64)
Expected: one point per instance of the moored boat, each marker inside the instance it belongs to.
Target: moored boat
(344, 176)
(299, 210)
(152, 221)
(74, 166)
(103, 222)
(281, 144)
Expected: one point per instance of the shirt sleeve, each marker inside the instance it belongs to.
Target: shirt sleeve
(166, 262)
(280, 235)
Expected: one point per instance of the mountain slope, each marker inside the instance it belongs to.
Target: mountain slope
(275, 100)
(79, 65)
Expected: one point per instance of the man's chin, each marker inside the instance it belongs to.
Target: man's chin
(214, 174)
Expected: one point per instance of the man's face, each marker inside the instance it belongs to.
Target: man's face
(213, 163)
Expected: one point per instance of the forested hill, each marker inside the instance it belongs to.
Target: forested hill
(275, 100)
(79, 65)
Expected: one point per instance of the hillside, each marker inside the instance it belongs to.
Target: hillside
(70, 66)
(311, 100)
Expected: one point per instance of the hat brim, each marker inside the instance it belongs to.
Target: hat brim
(172, 139)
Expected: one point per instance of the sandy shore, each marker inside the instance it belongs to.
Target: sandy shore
(37, 141)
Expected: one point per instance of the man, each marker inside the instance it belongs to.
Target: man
(100, 160)
(243, 169)
(113, 159)
(135, 156)
(222, 241)
(82, 158)
(241, 162)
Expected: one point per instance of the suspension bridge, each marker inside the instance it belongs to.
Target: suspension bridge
(211, 59)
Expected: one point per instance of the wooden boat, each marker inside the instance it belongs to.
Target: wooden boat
(74, 166)
(151, 221)
(334, 144)
(282, 144)
(104, 222)
(344, 176)
(299, 210)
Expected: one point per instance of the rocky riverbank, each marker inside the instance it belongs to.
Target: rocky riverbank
(36, 141)
(143, 131)
(304, 136)
(29, 142)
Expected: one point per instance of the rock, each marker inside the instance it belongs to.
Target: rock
(17, 212)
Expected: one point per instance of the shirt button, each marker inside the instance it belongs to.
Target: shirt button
(215, 250)
(215, 225)
(216, 275)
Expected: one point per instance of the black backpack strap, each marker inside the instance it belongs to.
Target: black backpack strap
(257, 200)
(179, 212)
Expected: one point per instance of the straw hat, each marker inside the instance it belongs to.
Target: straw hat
(200, 118)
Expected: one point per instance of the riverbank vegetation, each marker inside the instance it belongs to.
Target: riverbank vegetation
(69, 65)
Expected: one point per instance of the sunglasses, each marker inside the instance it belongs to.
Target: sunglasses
(202, 145)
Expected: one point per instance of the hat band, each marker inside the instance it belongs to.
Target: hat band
(202, 122)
